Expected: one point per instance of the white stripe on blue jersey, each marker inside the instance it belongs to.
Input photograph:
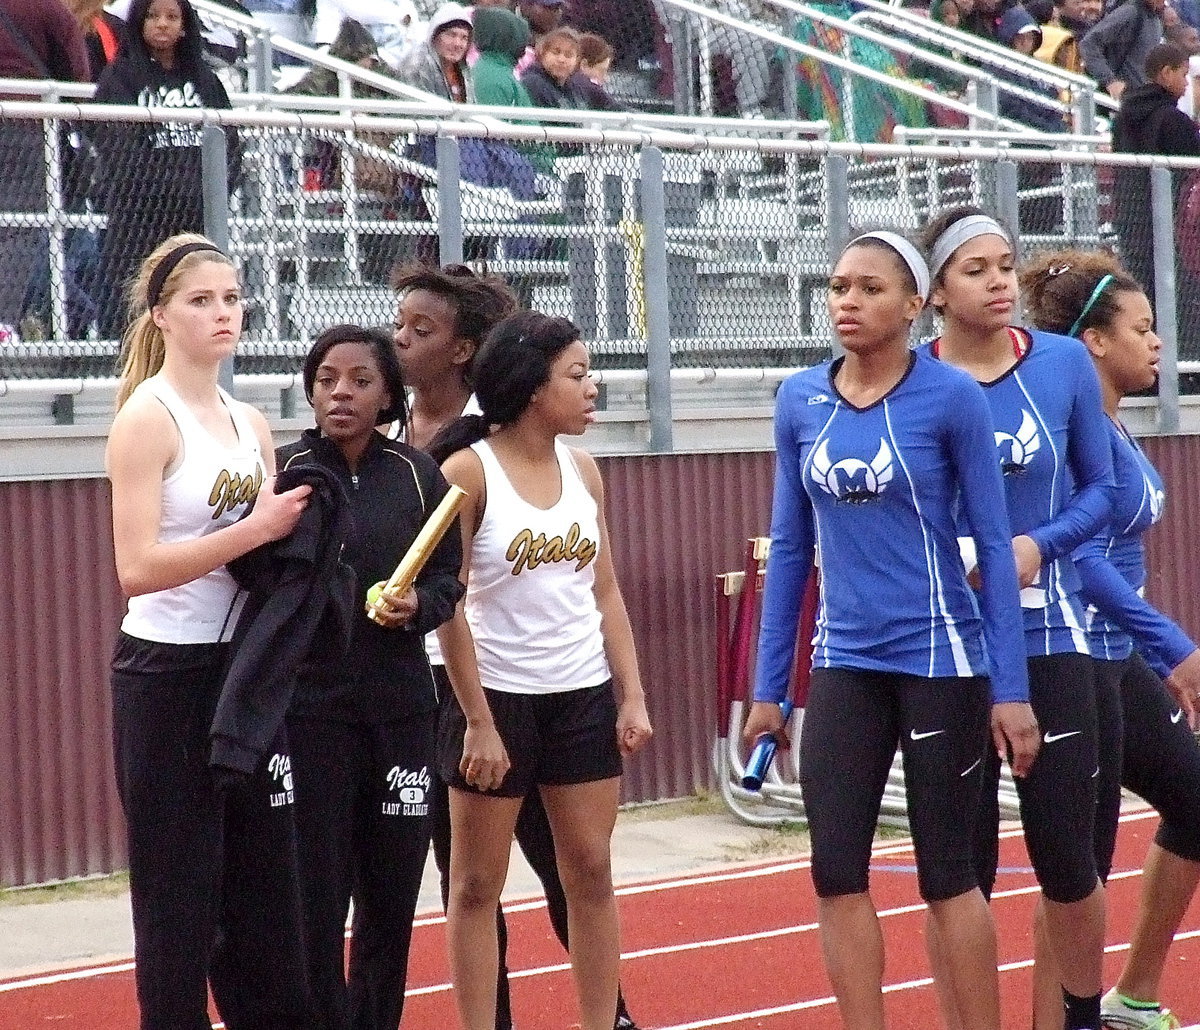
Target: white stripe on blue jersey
(877, 489)
(1112, 566)
(1058, 478)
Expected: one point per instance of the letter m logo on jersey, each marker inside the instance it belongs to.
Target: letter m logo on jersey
(852, 480)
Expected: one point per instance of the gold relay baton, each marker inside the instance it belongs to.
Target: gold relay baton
(418, 554)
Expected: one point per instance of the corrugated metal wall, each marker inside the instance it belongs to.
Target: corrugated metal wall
(675, 522)
(1174, 558)
(59, 814)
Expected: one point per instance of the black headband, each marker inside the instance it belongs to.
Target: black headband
(168, 264)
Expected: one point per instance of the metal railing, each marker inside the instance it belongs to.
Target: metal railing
(984, 112)
(672, 250)
(1084, 91)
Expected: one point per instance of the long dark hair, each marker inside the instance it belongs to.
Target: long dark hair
(385, 358)
(189, 51)
(513, 362)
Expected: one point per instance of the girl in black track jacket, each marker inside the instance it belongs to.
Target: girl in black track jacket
(364, 728)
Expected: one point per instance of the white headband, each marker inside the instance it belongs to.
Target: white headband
(910, 255)
(959, 233)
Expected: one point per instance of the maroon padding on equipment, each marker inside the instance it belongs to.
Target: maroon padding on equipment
(724, 686)
(802, 664)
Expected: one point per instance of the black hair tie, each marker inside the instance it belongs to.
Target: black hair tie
(168, 264)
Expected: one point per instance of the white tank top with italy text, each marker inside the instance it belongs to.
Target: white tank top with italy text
(208, 490)
(531, 602)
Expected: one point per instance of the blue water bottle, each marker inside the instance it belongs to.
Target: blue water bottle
(763, 754)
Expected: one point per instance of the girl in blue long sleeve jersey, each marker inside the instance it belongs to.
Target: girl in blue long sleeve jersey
(1148, 670)
(1052, 448)
(875, 452)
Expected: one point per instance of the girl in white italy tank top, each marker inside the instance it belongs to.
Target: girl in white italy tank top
(442, 318)
(540, 655)
(185, 460)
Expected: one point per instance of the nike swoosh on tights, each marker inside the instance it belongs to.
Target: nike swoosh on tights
(974, 765)
(1177, 716)
(921, 736)
(1050, 738)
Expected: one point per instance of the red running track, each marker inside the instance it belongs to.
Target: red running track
(732, 949)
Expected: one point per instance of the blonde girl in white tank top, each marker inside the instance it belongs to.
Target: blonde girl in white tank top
(185, 460)
(533, 383)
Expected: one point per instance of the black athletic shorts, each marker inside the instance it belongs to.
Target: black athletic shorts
(1161, 758)
(566, 737)
(853, 722)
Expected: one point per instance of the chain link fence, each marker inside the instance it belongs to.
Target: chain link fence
(712, 251)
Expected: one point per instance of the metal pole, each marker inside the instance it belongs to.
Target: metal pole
(450, 224)
(262, 58)
(1008, 211)
(791, 100)
(683, 60)
(658, 323)
(1162, 220)
(214, 164)
(837, 217)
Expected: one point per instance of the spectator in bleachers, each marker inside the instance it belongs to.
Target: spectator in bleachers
(1184, 35)
(820, 88)
(101, 30)
(102, 33)
(595, 60)
(1115, 49)
(1149, 122)
(160, 65)
(950, 12)
(39, 39)
(984, 18)
(750, 57)
(439, 65)
(542, 15)
(355, 44)
(395, 25)
(1018, 30)
(1069, 20)
(550, 78)
(501, 38)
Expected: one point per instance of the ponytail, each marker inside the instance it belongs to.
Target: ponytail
(457, 436)
(143, 350)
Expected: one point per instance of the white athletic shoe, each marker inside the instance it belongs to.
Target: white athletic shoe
(1116, 1015)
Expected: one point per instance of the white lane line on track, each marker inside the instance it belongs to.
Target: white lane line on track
(82, 973)
(908, 985)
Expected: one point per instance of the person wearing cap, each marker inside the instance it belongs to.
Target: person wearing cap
(876, 450)
(439, 65)
(1017, 29)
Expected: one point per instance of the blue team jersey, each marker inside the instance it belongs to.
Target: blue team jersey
(1058, 477)
(874, 491)
(1112, 566)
